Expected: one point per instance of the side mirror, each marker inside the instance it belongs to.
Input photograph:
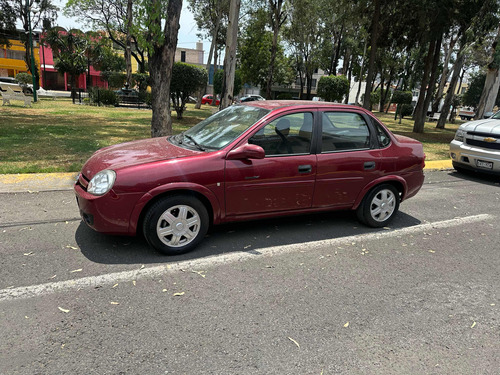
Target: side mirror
(247, 151)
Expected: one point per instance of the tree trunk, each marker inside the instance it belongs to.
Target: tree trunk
(276, 23)
(161, 63)
(230, 58)
(360, 78)
(444, 75)
(420, 110)
(373, 53)
(203, 90)
(432, 80)
(490, 83)
(459, 62)
(128, 44)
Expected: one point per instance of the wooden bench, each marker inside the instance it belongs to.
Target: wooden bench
(9, 94)
(435, 116)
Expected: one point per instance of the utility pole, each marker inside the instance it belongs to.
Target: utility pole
(33, 75)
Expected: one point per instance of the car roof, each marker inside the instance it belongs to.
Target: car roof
(278, 104)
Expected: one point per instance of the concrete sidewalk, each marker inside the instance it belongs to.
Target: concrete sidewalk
(34, 182)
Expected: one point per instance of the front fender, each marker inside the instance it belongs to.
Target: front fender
(386, 179)
(178, 187)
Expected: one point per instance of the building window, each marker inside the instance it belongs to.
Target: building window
(15, 55)
(183, 56)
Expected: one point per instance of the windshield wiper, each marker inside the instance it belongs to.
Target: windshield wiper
(195, 143)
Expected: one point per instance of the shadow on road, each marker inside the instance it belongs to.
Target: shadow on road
(474, 176)
(234, 237)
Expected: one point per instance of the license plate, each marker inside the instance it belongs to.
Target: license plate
(484, 164)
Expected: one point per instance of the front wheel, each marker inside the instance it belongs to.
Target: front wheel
(379, 206)
(176, 225)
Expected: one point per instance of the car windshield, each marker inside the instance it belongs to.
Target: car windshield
(220, 129)
(496, 116)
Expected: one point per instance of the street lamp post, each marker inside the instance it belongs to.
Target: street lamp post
(28, 11)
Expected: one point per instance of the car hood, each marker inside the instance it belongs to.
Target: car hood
(133, 153)
(487, 126)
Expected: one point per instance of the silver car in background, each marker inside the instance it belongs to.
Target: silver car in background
(477, 146)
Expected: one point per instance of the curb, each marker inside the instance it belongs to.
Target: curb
(35, 182)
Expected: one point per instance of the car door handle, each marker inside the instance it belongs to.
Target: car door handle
(369, 165)
(305, 168)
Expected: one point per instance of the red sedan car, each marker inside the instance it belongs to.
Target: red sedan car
(207, 99)
(247, 162)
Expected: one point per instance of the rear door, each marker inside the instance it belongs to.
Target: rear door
(348, 158)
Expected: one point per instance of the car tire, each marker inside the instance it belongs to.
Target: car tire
(379, 206)
(176, 224)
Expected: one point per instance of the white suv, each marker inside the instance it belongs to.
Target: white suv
(477, 145)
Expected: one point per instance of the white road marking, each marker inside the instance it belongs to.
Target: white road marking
(152, 272)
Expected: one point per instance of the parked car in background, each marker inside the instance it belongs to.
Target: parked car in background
(248, 162)
(207, 99)
(477, 146)
(466, 113)
(15, 85)
(250, 98)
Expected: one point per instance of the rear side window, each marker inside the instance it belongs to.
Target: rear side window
(344, 131)
(383, 138)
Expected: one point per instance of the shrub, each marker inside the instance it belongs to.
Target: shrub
(284, 96)
(333, 88)
(100, 96)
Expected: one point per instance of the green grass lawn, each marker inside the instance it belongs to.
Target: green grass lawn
(58, 136)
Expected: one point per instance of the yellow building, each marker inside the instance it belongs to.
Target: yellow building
(12, 57)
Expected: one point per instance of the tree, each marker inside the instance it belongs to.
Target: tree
(31, 13)
(230, 57)
(492, 81)
(219, 78)
(304, 35)
(401, 98)
(210, 16)
(120, 20)
(278, 17)
(186, 80)
(161, 42)
(333, 88)
(7, 21)
(70, 52)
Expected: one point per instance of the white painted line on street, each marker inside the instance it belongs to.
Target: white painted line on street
(196, 264)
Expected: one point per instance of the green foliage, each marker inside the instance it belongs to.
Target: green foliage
(141, 80)
(406, 110)
(100, 96)
(402, 97)
(333, 88)
(219, 77)
(284, 96)
(186, 80)
(7, 21)
(114, 79)
(70, 52)
(24, 79)
(473, 94)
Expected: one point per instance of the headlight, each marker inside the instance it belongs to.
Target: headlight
(459, 135)
(102, 182)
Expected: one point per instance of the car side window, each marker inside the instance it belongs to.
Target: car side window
(383, 138)
(344, 131)
(287, 135)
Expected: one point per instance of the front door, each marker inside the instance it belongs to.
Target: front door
(284, 179)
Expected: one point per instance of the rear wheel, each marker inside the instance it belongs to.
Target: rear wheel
(379, 206)
(176, 225)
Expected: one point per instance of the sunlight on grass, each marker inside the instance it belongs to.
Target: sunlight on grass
(59, 136)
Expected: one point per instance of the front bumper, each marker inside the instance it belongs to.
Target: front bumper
(474, 158)
(109, 213)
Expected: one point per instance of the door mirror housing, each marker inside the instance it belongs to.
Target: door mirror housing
(247, 151)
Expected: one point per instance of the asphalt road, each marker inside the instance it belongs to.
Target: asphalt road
(318, 294)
